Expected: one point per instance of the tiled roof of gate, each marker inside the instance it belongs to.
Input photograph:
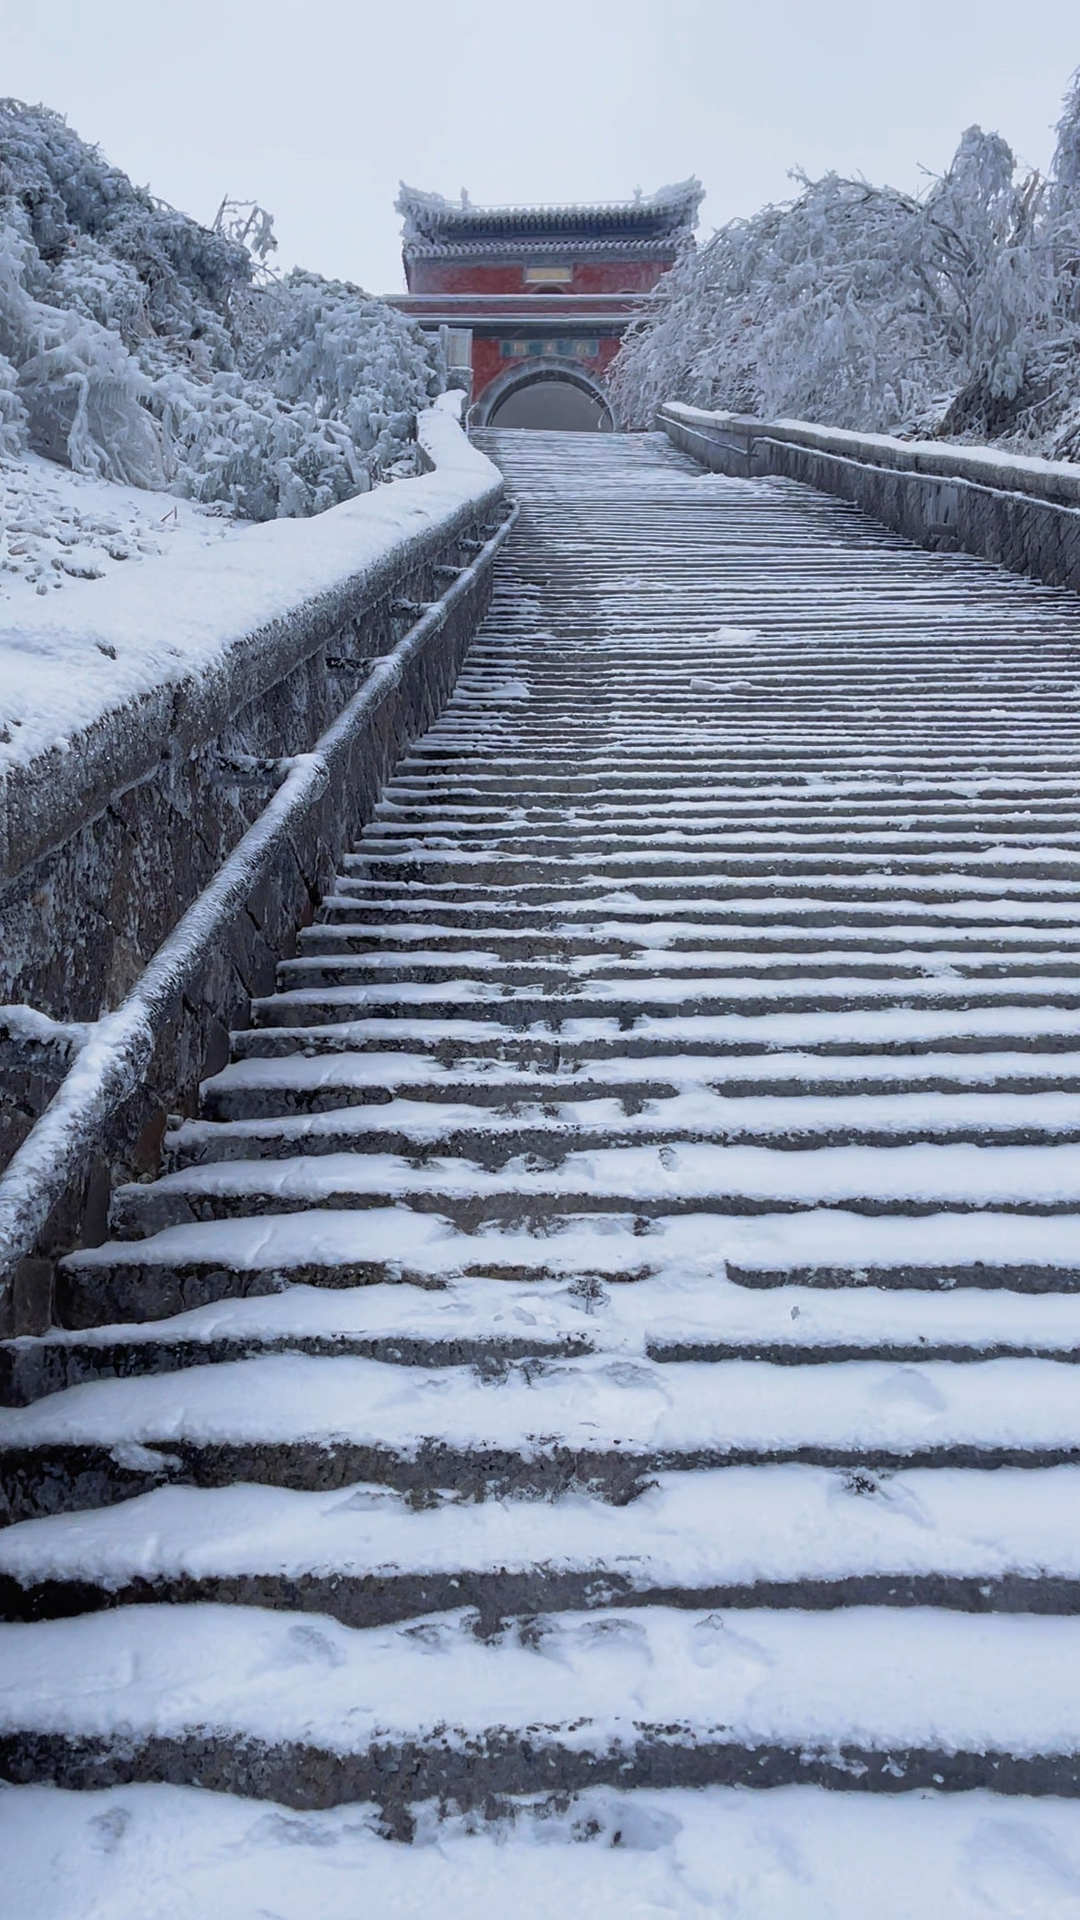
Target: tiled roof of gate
(646, 225)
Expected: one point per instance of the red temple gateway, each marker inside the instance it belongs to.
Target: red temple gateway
(535, 300)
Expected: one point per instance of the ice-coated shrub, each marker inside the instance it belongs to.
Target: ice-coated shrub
(341, 354)
(13, 420)
(83, 393)
(142, 347)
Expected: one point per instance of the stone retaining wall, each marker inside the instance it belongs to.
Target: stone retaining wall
(80, 919)
(1022, 513)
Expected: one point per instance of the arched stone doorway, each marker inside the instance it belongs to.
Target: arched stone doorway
(553, 399)
(554, 405)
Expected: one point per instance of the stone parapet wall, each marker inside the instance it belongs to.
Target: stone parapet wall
(1022, 513)
(191, 770)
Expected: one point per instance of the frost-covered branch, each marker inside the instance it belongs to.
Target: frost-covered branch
(250, 226)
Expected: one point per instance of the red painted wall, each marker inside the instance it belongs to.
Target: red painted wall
(590, 276)
(486, 364)
(614, 276)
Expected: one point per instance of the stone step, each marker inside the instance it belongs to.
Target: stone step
(553, 839)
(607, 797)
(761, 926)
(547, 1133)
(185, 1268)
(677, 1004)
(598, 1423)
(665, 943)
(799, 1537)
(608, 1851)
(790, 811)
(645, 1181)
(756, 721)
(771, 718)
(434, 864)
(1007, 894)
(326, 1083)
(883, 829)
(767, 728)
(436, 1304)
(967, 1038)
(301, 1708)
(494, 671)
(327, 961)
(498, 912)
(797, 772)
(753, 752)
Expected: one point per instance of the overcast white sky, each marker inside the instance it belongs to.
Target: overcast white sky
(319, 107)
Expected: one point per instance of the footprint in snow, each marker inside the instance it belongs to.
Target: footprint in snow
(908, 1387)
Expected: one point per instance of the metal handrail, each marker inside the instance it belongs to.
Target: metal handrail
(113, 1057)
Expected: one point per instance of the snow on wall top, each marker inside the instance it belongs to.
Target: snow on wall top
(92, 687)
(995, 467)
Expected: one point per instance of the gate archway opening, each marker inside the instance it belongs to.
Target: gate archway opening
(548, 399)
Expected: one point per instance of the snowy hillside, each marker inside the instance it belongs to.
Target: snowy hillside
(955, 312)
(58, 527)
(140, 348)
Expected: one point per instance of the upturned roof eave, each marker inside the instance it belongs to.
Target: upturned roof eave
(670, 212)
(665, 247)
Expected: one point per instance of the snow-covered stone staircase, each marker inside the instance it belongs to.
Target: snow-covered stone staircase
(616, 1319)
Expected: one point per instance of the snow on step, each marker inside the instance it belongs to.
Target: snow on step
(687, 1258)
(614, 1324)
(417, 1245)
(635, 1000)
(654, 1696)
(585, 1412)
(965, 1029)
(792, 1527)
(680, 1178)
(611, 1854)
(647, 1310)
(252, 1088)
(880, 1118)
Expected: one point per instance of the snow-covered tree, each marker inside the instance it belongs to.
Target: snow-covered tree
(812, 309)
(955, 309)
(139, 346)
(1064, 199)
(987, 255)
